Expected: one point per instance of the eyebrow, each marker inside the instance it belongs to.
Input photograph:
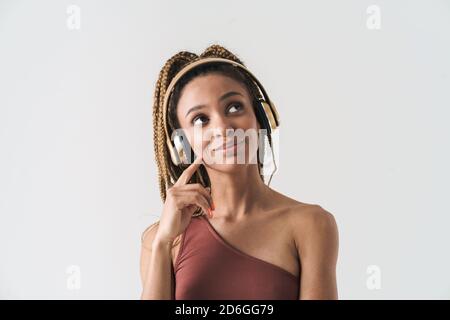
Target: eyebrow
(226, 95)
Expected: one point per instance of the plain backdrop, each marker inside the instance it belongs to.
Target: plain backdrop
(363, 92)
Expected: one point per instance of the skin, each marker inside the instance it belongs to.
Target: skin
(299, 237)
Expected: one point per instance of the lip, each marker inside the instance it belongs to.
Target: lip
(228, 146)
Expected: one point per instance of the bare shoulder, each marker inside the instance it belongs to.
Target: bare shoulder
(306, 219)
(311, 216)
(313, 228)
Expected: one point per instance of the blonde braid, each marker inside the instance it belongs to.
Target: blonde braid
(218, 51)
(169, 70)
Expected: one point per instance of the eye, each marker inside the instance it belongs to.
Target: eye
(197, 118)
(235, 105)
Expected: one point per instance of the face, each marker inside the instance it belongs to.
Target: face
(213, 111)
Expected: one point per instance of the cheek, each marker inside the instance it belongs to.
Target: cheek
(197, 144)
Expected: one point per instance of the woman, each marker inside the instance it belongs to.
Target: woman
(248, 241)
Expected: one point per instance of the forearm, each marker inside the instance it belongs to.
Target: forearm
(158, 280)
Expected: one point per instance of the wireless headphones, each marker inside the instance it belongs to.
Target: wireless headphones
(265, 107)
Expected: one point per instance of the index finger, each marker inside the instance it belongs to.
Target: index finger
(189, 171)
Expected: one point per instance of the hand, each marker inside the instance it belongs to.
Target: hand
(182, 200)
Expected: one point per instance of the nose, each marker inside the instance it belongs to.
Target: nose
(221, 128)
(221, 124)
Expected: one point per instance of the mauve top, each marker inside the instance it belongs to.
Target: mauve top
(209, 268)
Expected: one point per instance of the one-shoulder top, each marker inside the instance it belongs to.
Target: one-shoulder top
(207, 267)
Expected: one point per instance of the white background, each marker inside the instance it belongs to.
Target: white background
(364, 133)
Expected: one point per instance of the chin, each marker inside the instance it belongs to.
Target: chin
(229, 167)
(232, 164)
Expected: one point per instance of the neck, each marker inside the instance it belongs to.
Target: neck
(237, 194)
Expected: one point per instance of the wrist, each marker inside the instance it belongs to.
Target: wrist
(159, 242)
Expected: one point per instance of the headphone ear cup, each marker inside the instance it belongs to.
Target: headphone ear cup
(275, 114)
(272, 118)
(174, 156)
(180, 149)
